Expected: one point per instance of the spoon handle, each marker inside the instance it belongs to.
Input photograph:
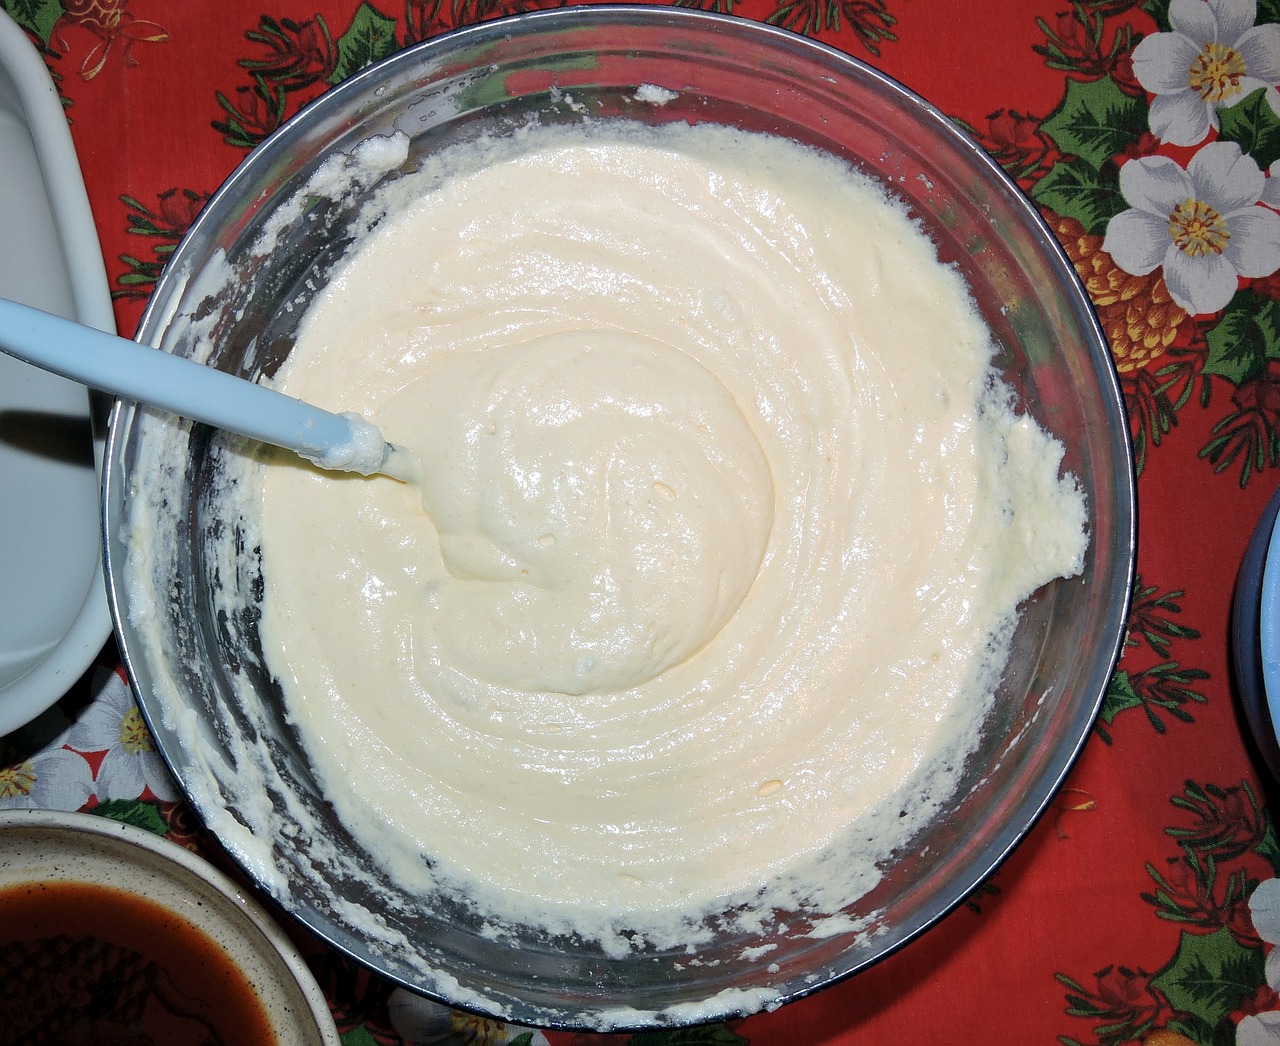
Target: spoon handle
(191, 390)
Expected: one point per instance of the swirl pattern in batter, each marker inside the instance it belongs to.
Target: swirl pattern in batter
(722, 532)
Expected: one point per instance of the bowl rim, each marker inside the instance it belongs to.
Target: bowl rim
(72, 832)
(1031, 805)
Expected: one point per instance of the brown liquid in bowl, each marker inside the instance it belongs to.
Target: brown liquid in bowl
(82, 963)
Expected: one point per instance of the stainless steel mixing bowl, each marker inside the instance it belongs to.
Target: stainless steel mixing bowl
(233, 294)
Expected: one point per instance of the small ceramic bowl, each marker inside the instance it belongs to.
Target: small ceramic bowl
(98, 876)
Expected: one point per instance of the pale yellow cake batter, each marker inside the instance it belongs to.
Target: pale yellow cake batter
(722, 531)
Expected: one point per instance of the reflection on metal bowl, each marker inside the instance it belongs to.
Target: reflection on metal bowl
(225, 295)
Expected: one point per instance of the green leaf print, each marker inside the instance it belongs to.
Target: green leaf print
(1161, 690)
(1113, 1024)
(1159, 11)
(370, 37)
(133, 812)
(1151, 618)
(1095, 121)
(724, 7)
(1209, 976)
(1074, 189)
(359, 1036)
(1268, 847)
(869, 20)
(1245, 339)
(1254, 126)
(1120, 696)
(37, 17)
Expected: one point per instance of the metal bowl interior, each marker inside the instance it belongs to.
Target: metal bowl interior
(234, 298)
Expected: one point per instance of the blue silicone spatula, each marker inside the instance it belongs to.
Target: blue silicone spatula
(340, 442)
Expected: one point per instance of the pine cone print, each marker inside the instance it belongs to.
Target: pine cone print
(1137, 315)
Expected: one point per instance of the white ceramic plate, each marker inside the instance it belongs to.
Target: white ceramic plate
(53, 608)
(49, 847)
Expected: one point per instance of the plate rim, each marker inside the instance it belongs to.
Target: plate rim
(43, 685)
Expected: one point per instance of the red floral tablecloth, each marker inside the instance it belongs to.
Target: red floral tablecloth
(1145, 905)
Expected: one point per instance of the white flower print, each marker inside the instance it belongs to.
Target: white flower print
(131, 763)
(1203, 224)
(54, 779)
(1271, 190)
(1214, 57)
(1264, 909)
(1262, 1029)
